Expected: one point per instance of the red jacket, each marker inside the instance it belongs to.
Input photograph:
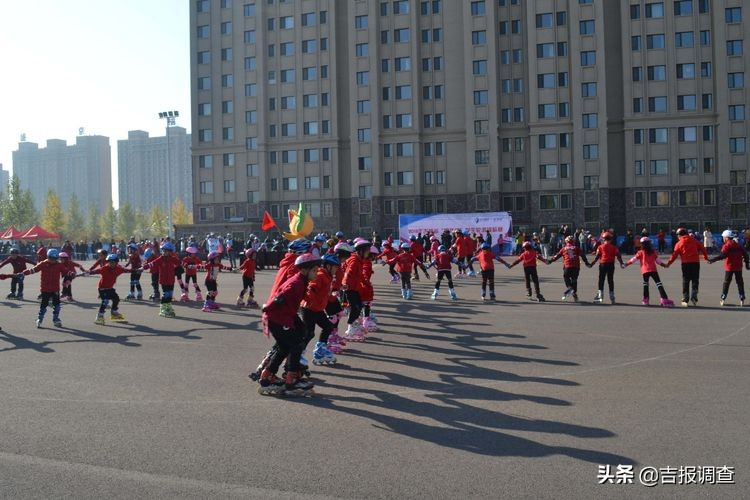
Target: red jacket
(468, 246)
(417, 250)
(51, 273)
(571, 256)
(190, 263)
(443, 261)
(19, 263)
(607, 253)
(404, 262)
(165, 266)
(689, 250)
(135, 261)
(109, 275)
(733, 255)
(41, 254)
(248, 268)
(292, 291)
(528, 257)
(287, 269)
(318, 291)
(486, 260)
(353, 273)
(99, 262)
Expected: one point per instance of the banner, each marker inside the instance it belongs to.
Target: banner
(499, 225)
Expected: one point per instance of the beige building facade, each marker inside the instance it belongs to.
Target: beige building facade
(83, 168)
(366, 109)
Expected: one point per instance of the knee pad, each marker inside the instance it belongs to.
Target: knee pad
(167, 294)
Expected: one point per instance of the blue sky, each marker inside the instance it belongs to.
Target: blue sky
(108, 66)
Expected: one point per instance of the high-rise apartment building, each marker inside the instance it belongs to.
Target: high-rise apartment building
(585, 112)
(143, 166)
(4, 180)
(83, 168)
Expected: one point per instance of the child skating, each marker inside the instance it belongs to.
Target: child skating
(572, 257)
(212, 266)
(733, 256)
(151, 254)
(165, 266)
(486, 259)
(135, 263)
(529, 257)
(288, 330)
(18, 262)
(442, 262)
(314, 309)
(109, 273)
(387, 254)
(191, 262)
(69, 276)
(649, 260)
(52, 270)
(606, 253)
(367, 291)
(248, 278)
(351, 284)
(404, 262)
(689, 250)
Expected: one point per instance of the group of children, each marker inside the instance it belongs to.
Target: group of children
(163, 264)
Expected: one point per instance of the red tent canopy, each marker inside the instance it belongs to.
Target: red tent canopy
(11, 234)
(38, 233)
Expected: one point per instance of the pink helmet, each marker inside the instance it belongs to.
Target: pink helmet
(213, 255)
(374, 250)
(249, 252)
(64, 255)
(191, 250)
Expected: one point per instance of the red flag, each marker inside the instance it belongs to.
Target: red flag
(268, 222)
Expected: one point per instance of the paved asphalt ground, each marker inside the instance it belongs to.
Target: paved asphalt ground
(461, 399)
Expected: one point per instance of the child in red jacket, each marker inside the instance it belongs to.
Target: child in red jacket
(442, 262)
(314, 309)
(689, 250)
(288, 329)
(487, 260)
(733, 256)
(248, 278)
(529, 256)
(165, 266)
(69, 276)
(191, 262)
(388, 253)
(18, 262)
(351, 284)
(212, 266)
(571, 255)
(404, 262)
(606, 253)
(367, 292)
(52, 270)
(649, 260)
(109, 272)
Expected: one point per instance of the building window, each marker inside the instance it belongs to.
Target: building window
(737, 177)
(289, 183)
(586, 27)
(688, 166)
(204, 31)
(657, 104)
(481, 157)
(659, 167)
(588, 58)
(658, 135)
(479, 37)
(547, 141)
(205, 161)
(206, 187)
(686, 102)
(655, 10)
(657, 73)
(639, 168)
(590, 182)
(403, 121)
(228, 159)
(737, 112)
(548, 171)
(590, 120)
(229, 186)
(688, 198)
(686, 71)
(736, 80)
(687, 134)
(401, 35)
(737, 145)
(733, 15)
(684, 39)
(659, 198)
(734, 48)
(683, 8)
(546, 50)
(590, 151)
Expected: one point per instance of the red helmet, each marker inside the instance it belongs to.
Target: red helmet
(526, 244)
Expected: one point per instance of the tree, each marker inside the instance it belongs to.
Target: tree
(29, 215)
(180, 214)
(126, 221)
(157, 222)
(53, 217)
(92, 223)
(74, 223)
(13, 204)
(108, 223)
(141, 225)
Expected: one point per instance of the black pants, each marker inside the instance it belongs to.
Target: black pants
(530, 275)
(247, 284)
(155, 284)
(607, 270)
(333, 307)
(420, 265)
(488, 277)
(67, 289)
(289, 344)
(405, 281)
(107, 294)
(355, 305)
(46, 298)
(659, 286)
(661, 246)
(135, 281)
(319, 318)
(166, 297)
(728, 280)
(570, 276)
(16, 283)
(446, 275)
(392, 270)
(691, 274)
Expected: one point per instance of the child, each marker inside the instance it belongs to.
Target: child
(69, 276)
(607, 252)
(151, 254)
(417, 250)
(486, 260)
(387, 254)
(165, 266)
(460, 249)
(18, 262)
(314, 309)
(334, 310)
(649, 260)
(689, 250)
(367, 292)
(248, 277)
(101, 259)
(179, 271)
(134, 263)
(404, 262)
(107, 292)
(190, 263)
(733, 255)
(434, 245)
(351, 284)
(572, 256)
(287, 269)
(288, 330)
(442, 262)
(212, 266)
(52, 270)
(529, 256)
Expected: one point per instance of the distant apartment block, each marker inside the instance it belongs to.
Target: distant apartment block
(83, 168)
(143, 169)
(593, 113)
(4, 180)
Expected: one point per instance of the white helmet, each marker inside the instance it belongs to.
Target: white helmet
(728, 233)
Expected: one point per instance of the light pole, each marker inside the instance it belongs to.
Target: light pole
(171, 117)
